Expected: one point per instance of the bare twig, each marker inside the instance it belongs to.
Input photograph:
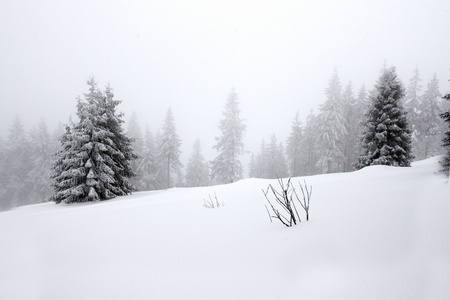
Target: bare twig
(289, 215)
(268, 213)
(306, 198)
(210, 203)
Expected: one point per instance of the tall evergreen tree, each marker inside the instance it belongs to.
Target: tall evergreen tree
(67, 171)
(294, 149)
(361, 99)
(259, 165)
(95, 160)
(252, 167)
(169, 149)
(226, 167)
(124, 153)
(17, 163)
(332, 127)
(271, 161)
(353, 112)
(42, 159)
(387, 138)
(310, 145)
(411, 103)
(134, 132)
(197, 169)
(150, 179)
(276, 163)
(429, 123)
(445, 161)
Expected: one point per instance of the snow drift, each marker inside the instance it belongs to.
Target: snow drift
(378, 233)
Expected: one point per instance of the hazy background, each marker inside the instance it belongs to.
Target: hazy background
(278, 55)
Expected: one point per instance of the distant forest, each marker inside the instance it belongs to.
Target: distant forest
(341, 137)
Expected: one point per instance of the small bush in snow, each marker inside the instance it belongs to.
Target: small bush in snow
(284, 208)
(212, 203)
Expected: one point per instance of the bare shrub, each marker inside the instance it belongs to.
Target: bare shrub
(284, 204)
(212, 203)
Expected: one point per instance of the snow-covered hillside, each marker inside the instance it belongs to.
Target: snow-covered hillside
(378, 233)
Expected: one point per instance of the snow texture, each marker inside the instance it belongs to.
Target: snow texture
(378, 233)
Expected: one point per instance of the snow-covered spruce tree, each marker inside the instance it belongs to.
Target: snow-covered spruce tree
(362, 107)
(197, 173)
(445, 162)
(68, 172)
(354, 111)
(42, 158)
(148, 170)
(294, 148)
(411, 103)
(310, 145)
(429, 123)
(252, 167)
(276, 164)
(353, 115)
(16, 165)
(94, 163)
(363, 104)
(226, 167)
(259, 164)
(270, 162)
(332, 128)
(134, 132)
(169, 149)
(387, 138)
(125, 153)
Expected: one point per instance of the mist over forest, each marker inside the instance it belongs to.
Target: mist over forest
(329, 140)
(287, 85)
(173, 149)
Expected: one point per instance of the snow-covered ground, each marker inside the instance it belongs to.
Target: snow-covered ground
(378, 233)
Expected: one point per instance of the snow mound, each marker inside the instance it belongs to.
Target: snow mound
(377, 233)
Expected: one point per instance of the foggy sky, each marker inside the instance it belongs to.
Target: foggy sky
(278, 55)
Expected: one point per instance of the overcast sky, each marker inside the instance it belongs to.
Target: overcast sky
(278, 55)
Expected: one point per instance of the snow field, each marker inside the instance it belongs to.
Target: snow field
(377, 233)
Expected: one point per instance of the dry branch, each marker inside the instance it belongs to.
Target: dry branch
(284, 199)
(210, 203)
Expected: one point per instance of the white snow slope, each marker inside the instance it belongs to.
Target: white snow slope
(378, 233)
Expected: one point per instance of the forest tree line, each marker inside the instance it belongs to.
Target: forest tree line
(333, 140)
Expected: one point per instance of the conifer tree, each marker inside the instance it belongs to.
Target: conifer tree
(361, 100)
(226, 167)
(123, 154)
(429, 123)
(150, 179)
(67, 171)
(270, 161)
(134, 132)
(411, 103)
(95, 160)
(353, 112)
(252, 167)
(445, 162)
(276, 163)
(169, 149)
(310, 145)
(332, 127)
(17, 163)
(294, 149)
(42, 159)
(197, 168)
(387, 138)
(259, 165)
